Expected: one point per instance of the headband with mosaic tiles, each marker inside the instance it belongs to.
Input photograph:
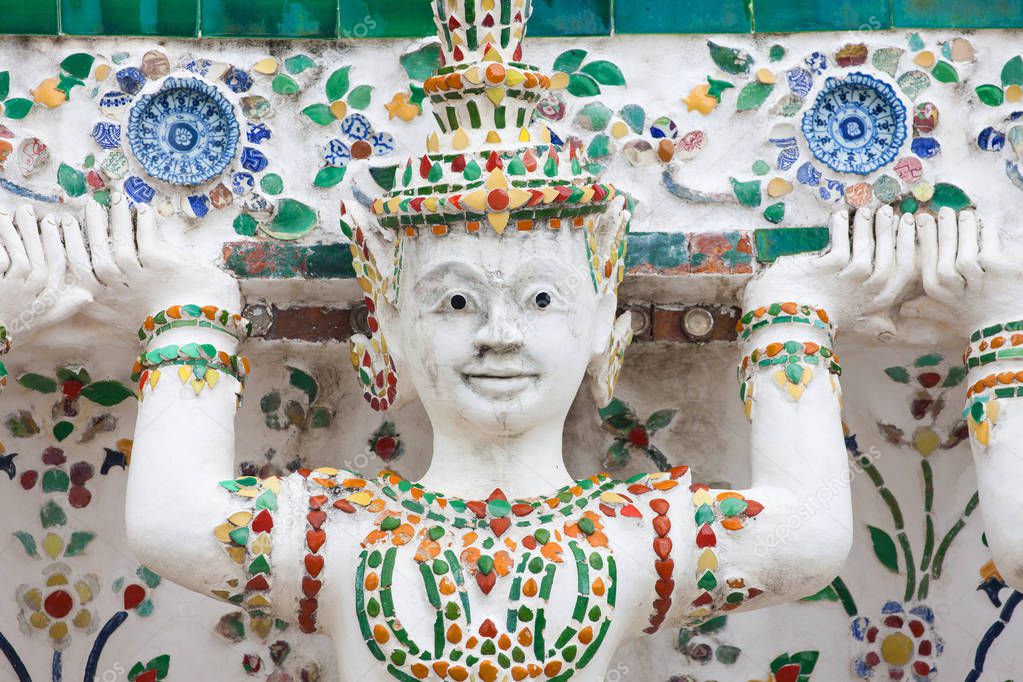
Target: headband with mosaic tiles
(485, 166)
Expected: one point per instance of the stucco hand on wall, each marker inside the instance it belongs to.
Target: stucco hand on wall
(41, 285)
(979, 278)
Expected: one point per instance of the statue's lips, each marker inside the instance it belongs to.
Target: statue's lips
(499, 382)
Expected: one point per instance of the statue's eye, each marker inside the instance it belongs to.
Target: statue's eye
(543, 299)
(458, 302)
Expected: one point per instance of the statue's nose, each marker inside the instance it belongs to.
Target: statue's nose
(502, 331)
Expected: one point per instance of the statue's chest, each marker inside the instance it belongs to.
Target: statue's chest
(488, 590)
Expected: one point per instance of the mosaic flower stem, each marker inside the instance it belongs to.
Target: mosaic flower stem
(946, 542)
(14, 659)
(108, 629)
(893, 506)
(925, 561)
(993, 632)
(845, 597)
(56, 667)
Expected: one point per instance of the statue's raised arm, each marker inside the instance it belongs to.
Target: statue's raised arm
(967, 267)
(789, 534)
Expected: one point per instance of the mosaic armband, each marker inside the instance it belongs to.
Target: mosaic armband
(199, 365)
(207, 317)
(793, 362)
(997, 342)
(5, 347)
(982, 407)
(783, 313)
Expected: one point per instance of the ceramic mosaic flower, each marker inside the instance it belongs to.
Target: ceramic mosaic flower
(59, 605)
(362, 143)
(902, 645)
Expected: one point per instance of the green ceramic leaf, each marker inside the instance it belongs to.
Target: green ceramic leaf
(360, 97)
(729, 59)
(28, 542)
(328, 176)
(898, 374)
(990, 95)
(62, 430)
(604, 72)
(135, 671)
(245, 225)
(285, 85)
(827, 594)
(599, 147)
(304, 382)
(753, 95)
(658, 420)
(17, 107)
(78, 64)
(593, 116)
(384, 176)
(777, 53)
(73, 373)
(581, 85)
(78, 542)
(337, 84)
(293, 220)
(161, 664)
(152, 580)
(272, 184)
(297, 64)
(422, 63)
(775, 213)
(107, 393)
(635, 116)
(37, 382)
(569, 60)
(944, 72)
(71, 180)
(319, 113)
(5, 84)
(52, 515)
(949, 195)
(807, 661)
(1012, 72)
(884, 549)
(748, 193)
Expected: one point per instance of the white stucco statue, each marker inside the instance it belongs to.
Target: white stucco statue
(492, 270)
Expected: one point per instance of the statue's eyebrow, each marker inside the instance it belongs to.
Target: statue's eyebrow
(449, 268)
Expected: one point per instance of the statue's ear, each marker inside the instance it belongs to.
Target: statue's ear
(375, 259)
(611, 336)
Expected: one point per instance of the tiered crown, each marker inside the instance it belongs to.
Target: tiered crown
(488, 164)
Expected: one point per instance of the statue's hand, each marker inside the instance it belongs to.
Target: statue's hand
(39, 287)
(857, 282)
(967, 268)
(138, 272)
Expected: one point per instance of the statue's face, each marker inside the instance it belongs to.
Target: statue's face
(496, 332)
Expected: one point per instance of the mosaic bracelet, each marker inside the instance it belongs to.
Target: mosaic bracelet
(998, 342)
(786, 353)
(1004, 385)
(783, 313)
(208, 317)
(195, 355)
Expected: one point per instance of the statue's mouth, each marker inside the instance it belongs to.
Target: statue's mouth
(498, 382)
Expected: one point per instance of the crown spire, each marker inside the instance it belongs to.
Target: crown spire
(487, 164)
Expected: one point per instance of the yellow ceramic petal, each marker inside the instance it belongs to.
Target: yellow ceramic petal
(53, 545)
(983, 433)
(361, 498)
(197, 385)
(493, 137)
(432, 143)
(240, 519)
(499, 221)
(518, 197)
(102, 72)
(513, 77)
(559, 80)
(475, 200)
(261, 626)
(496, 95)
(261, 545)
(992, 411)
(212, 377)
(154, 378)
(82, 619)
(496, 180)
(184, 373)
(267, 67)
(460, 140)
(84, 591)
(273, 484)
(708, 561)
(58, 631)
(258, 601)
(339, 109)
(56, 579)
(702, 496)
(236, 553)
(39, 620)
(221, 532)
(473, 75)
(328, 471)
(796, 391)
(524, 135)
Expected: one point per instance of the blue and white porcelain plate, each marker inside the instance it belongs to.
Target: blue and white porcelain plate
(856, 125)
(185, 133)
